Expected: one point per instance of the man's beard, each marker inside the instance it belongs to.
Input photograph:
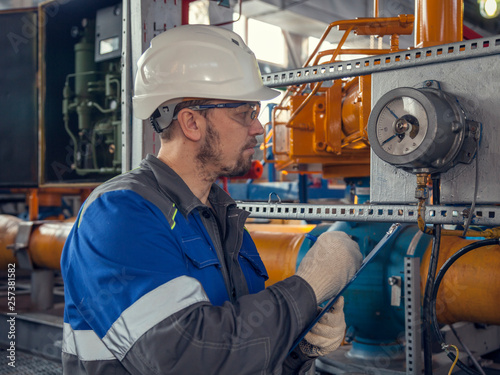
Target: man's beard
(210, 154)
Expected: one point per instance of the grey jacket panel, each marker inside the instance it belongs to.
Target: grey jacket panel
(252, 336)
(75, 366)
(144, 182)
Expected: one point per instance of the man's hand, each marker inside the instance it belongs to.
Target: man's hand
(327, 335)
(330, 263)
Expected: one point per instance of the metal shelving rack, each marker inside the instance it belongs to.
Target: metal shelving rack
(397, 60)
(403, 213)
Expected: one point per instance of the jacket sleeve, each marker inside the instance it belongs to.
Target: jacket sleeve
(252, 336)
(154, 318)
(297, 363)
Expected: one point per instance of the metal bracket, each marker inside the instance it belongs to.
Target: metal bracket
(20, 247)
(270, 200)
(395, 284)
(470, 147)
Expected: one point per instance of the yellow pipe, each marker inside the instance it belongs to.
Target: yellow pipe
(470, 290)
(280, 228)
(438, 22)
(45, 245)
(278, 252)
(8, 232)
(47, 242)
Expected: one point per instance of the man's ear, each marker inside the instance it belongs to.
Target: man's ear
(189, 124)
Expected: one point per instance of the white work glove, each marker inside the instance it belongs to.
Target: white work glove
(326, 335)
(330, 263)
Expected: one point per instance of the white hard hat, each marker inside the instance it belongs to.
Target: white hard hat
(196, 61)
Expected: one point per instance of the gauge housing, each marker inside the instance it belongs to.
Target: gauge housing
(421, 130)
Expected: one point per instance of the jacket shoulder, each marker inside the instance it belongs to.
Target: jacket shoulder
(140, 181)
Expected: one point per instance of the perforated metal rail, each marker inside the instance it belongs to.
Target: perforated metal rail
(397, 60)
(483, 215)
(489, 215)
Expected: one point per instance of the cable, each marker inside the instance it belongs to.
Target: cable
(476, 363)
(426, 308)
(426, 318)
(435, 290)
(473, 205)
(456, 358)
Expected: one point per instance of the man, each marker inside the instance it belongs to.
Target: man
(160, 275)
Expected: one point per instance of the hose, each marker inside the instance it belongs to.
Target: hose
(427, 336)
(426, 308)
(435, 290)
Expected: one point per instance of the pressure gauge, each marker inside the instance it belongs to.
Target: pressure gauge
(419, 130)
(402, 133)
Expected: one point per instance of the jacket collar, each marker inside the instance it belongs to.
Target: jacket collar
(171, 184)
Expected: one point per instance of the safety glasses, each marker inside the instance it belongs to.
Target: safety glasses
(244, 112)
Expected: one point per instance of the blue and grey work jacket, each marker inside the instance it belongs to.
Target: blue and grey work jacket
(157, 283)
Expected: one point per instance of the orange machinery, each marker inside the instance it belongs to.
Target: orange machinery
(324, 127)
(37, 198)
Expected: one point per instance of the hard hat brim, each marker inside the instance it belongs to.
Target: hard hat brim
(145, 106)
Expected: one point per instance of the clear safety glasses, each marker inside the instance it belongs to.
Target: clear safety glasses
(243, 112)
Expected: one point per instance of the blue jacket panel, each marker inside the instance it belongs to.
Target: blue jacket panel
(126, 242)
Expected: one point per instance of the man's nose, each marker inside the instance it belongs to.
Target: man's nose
(256, 128)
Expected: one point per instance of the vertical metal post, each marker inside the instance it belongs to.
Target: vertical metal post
(302, 188)
(271, 170)
(42, 285)
(126, 100)
(142, 22)
(412, 316)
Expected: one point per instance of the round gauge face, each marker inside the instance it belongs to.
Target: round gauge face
(401, 126)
